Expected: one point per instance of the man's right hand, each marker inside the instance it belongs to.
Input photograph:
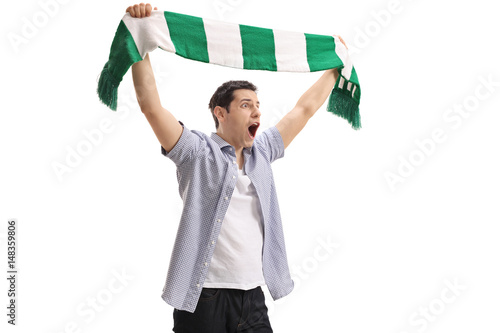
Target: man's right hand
(140, 10)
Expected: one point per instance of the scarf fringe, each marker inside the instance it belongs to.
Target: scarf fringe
(107, 88)
(344, 106)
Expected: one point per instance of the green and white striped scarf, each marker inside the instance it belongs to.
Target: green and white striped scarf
(232, 45)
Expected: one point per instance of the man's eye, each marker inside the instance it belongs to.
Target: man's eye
(245, 105)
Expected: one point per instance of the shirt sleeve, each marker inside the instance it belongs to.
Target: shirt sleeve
(272, 143)
(185, 148)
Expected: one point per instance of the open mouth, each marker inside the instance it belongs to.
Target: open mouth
(252, 130)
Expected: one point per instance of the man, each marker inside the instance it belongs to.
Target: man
(230, 240)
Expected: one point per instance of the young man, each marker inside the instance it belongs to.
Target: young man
(230, 240)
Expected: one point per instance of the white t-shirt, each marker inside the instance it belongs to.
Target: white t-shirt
(237, 258)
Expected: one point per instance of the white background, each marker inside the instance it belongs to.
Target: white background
(116, 210)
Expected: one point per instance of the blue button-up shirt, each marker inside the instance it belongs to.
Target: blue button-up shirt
(207, 172)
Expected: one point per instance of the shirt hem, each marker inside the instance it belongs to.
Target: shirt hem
(234, 285)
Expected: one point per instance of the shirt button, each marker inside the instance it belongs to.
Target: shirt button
(213, 242)
(225, 198)
(206, 264)
(198, 285)
(234, 162)
(234, 177)
(218, 220)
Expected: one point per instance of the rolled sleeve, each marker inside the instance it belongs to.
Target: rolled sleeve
(185, 148)
(272, 143)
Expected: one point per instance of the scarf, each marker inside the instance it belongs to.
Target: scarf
(232, 45)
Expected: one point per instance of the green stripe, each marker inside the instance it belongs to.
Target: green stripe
(188, 35)
(321, 52)
(123, 52)
(258, 48)
(354, 76)
(122, 55)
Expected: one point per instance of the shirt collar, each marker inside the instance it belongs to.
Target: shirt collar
(222, 143)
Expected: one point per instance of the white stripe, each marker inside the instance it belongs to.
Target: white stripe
(341, 82)
(341, 51)
(149, 33)
(224, 43)
(353, 90)
(291, 51)
(349, 85)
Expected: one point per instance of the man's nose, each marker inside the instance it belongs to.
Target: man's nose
(256, 112)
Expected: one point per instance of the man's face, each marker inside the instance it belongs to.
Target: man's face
(243, 118)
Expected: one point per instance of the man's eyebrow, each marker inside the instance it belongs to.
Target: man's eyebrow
(248, 100)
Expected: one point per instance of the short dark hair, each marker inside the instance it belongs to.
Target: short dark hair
(224, 95)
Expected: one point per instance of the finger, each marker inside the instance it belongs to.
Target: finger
(130, 10)
(342, 40)
(143, 10)
(156, 8)
(148, 9)
(137, 10)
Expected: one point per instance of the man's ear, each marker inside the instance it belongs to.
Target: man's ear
(220, 113)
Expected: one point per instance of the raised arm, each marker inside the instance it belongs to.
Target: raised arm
(166, 128)
(295, 120)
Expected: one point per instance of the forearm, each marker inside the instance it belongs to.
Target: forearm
(317, 94)
(145, 85)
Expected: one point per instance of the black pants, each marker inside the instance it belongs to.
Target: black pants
(225, 310)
